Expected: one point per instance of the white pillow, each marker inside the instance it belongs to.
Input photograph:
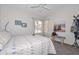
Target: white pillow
(4, 37)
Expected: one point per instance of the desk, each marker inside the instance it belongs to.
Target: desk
(60, 37)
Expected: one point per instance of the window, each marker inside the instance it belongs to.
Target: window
(38, 26)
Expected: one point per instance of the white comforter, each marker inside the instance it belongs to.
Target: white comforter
(29, 45)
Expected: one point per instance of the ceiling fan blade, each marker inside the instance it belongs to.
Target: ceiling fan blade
(43, 4)
(35, 6)
(45, 8)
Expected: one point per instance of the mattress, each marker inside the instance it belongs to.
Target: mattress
(29, 45)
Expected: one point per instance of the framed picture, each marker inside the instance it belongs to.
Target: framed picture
(24, 24)
(17, 22)
(59, 27)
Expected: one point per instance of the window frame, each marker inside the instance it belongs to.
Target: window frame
(37, 28)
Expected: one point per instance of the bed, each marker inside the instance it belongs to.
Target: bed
(25, 45)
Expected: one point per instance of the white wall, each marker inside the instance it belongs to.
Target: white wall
(64, 14)
(0, 16)
(10, 13)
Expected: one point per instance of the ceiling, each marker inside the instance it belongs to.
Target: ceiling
(39, 13)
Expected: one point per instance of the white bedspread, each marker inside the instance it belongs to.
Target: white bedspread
(29, 45)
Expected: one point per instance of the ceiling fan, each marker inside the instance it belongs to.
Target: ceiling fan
(44, 6)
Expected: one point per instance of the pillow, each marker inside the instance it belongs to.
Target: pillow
(4, 38)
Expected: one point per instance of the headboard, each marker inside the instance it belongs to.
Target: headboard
(20, 26)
